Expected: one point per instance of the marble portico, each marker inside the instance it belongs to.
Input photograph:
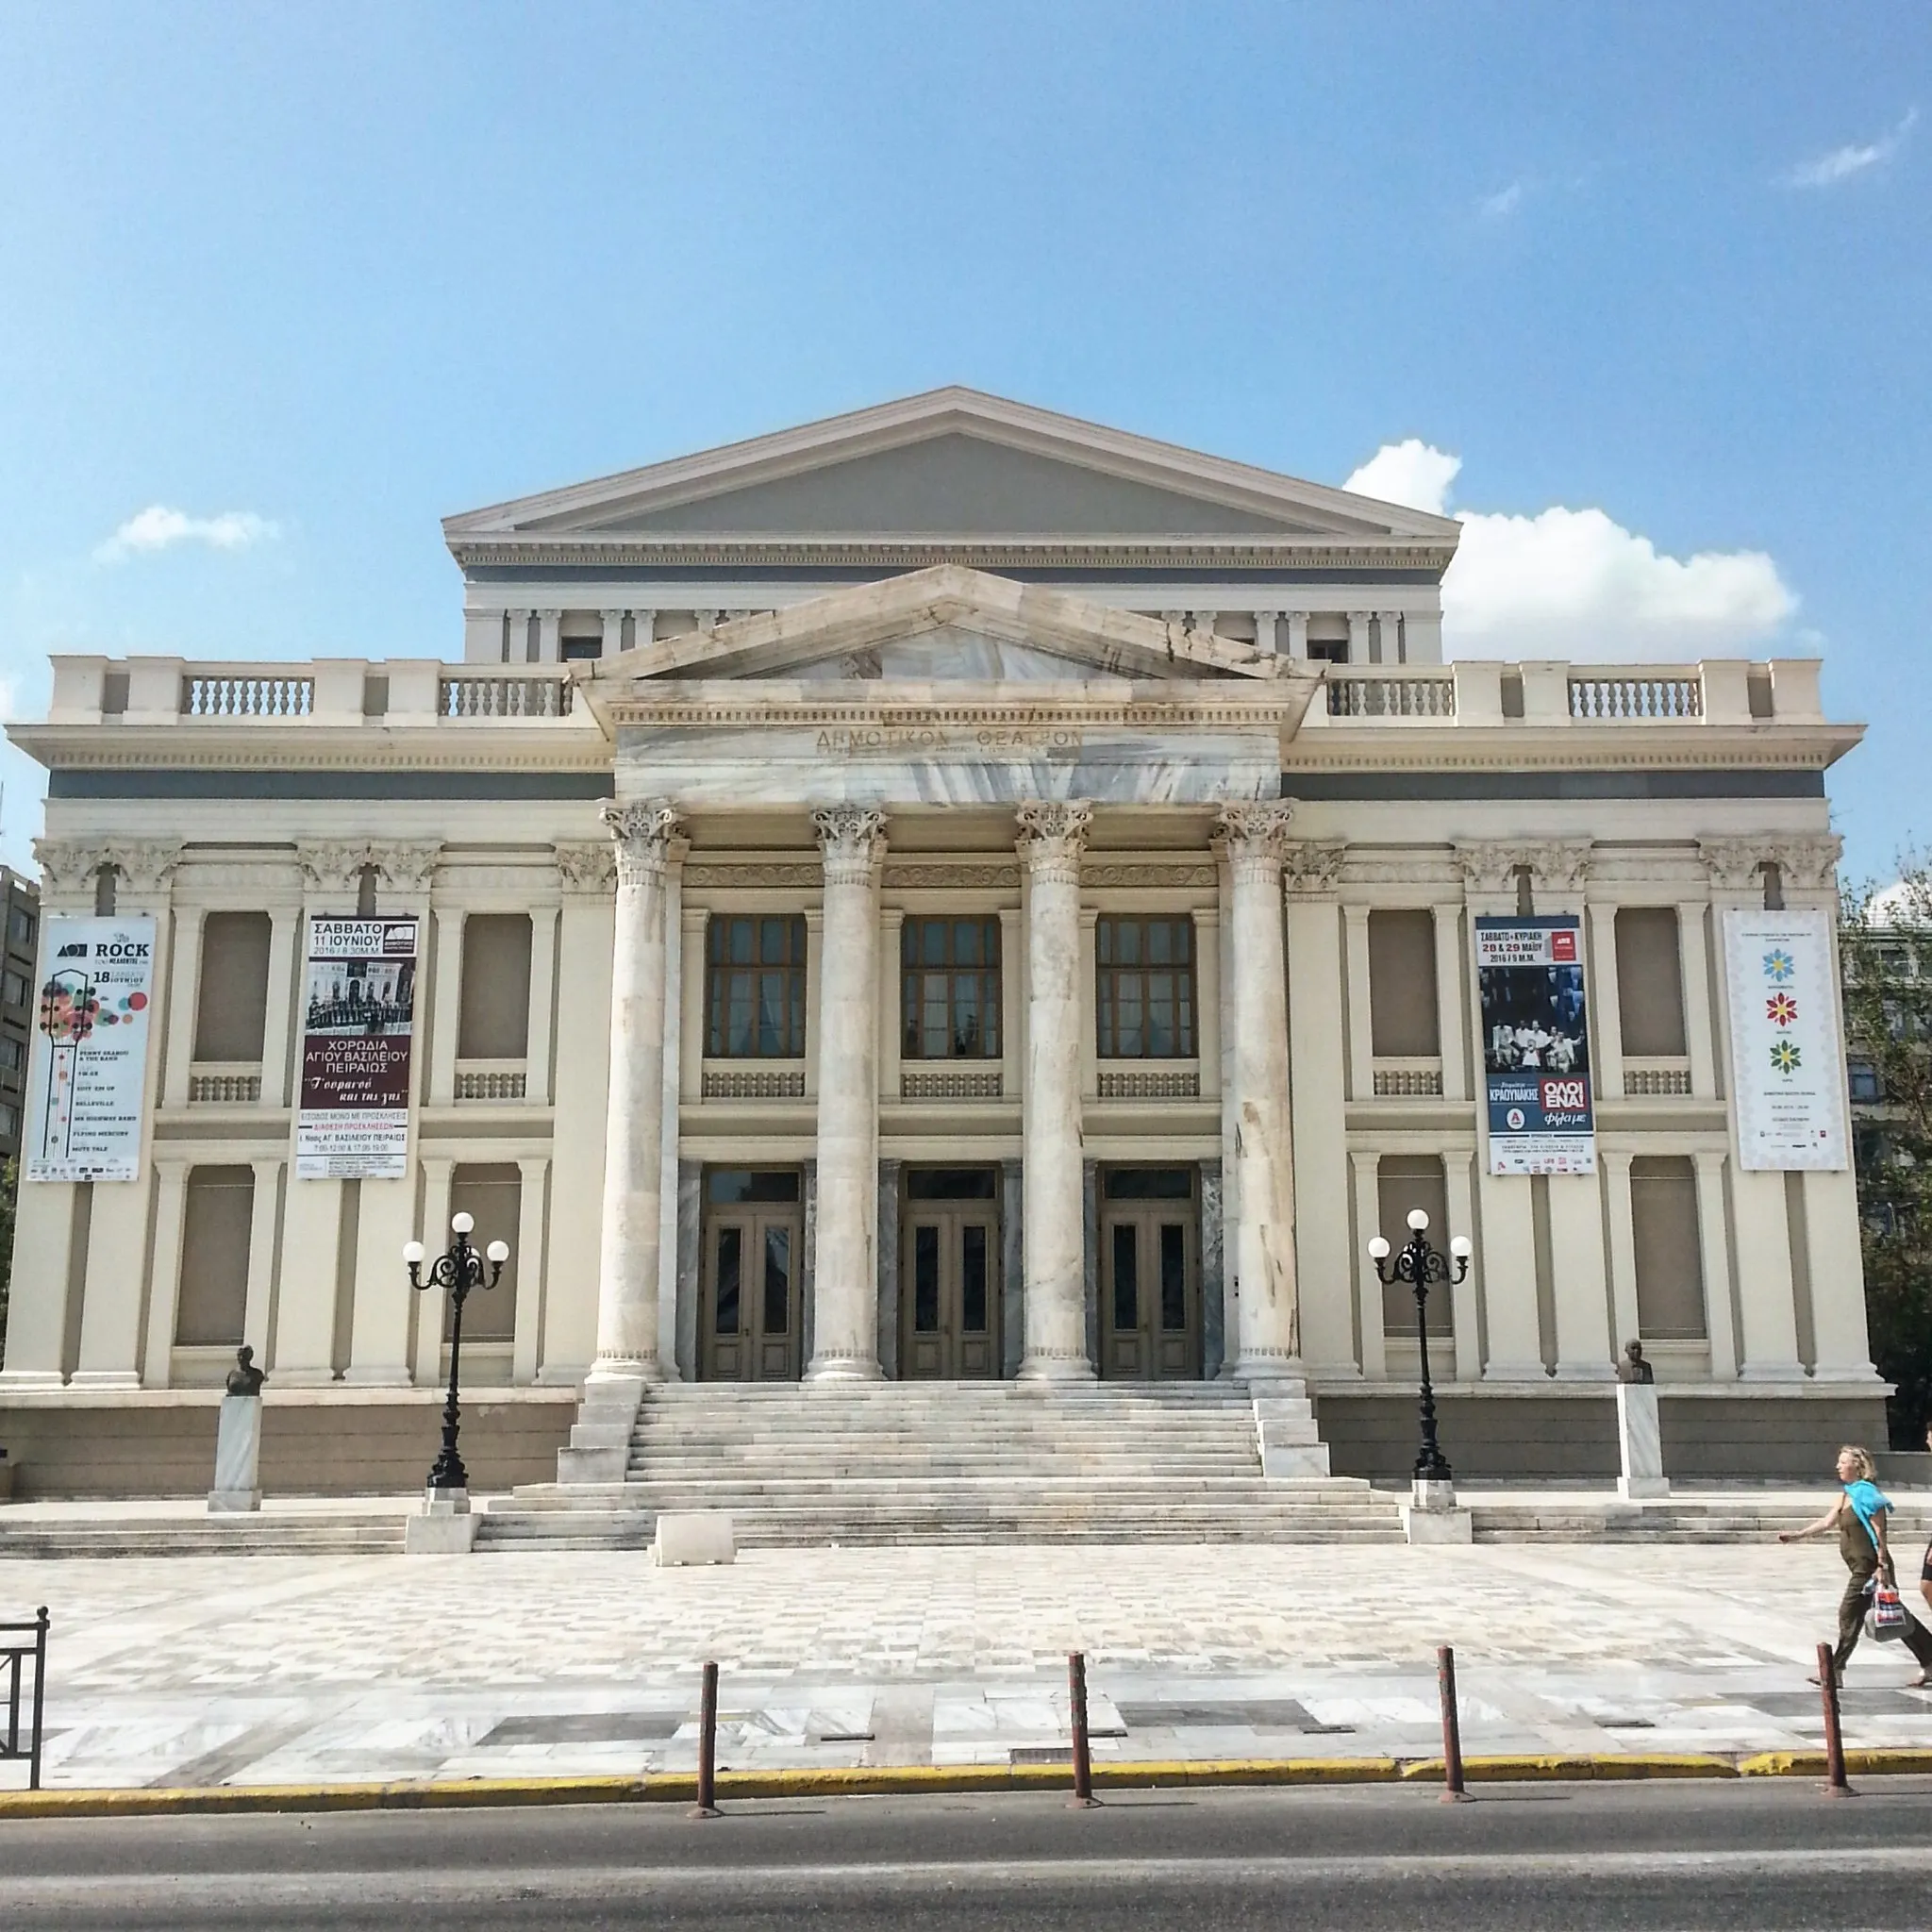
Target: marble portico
(954, 893)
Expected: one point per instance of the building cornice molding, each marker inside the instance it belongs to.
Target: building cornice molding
(1275, 556)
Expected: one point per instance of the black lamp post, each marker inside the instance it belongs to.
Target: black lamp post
(460, 1270)
(1421, 1265)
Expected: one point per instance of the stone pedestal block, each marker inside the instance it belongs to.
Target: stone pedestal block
(1640, 1442)
(444, 1527)
(1428, 1524)
(696, 1535)
(237, 1457)
(1292, 1446)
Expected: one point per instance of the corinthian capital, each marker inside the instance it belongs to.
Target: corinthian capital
(68, 865)
(1053, 835)
(590, 870)
(642, 831)
(1552, 865)
(1312, 868)
(852, 839)
(1733, 863)
(1256, 834)
(339, 868)
(146, 867)
(1808, 864)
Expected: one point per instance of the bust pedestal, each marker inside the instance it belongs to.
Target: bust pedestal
(237, 1457)
(1640, 1442)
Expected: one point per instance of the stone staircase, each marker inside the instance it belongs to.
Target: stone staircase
(358, 1533)
(958, 1462)
(1736, 1517)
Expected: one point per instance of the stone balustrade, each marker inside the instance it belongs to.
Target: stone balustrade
(339, 692)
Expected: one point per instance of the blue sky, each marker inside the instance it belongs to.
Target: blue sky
(310, 278)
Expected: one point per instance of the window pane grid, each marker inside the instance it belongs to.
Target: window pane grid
(755, 994)
(950, 994)
(1144, 998)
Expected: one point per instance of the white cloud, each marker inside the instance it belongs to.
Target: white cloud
(158, 528)
(1843, 163)
(1505, 201)
(1574, 583)
(1408, 473)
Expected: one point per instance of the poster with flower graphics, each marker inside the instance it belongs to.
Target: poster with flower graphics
(1785, 1051)
(87, 1077)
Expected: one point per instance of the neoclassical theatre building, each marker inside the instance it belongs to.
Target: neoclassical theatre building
(947, 892)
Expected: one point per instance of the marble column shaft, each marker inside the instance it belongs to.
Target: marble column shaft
(845, 1269)
(1270, 1330)
(633, 1143)
(1051, 838)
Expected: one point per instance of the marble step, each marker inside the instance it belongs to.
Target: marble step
(246, 1535)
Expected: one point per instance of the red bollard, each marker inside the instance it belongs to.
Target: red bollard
(706, 1806)
(1452, 1791)
(1083, 1798)
(1836, 1784)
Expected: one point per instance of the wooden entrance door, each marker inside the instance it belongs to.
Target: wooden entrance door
(1150, 1285)
(752, 1304)
(949, 1275)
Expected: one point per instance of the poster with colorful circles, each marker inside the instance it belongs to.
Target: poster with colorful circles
(88, 1078)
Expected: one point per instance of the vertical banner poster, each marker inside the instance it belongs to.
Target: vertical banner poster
(89, 1075)
(1785, 1044)
(359, 1005)
(1535, 1045)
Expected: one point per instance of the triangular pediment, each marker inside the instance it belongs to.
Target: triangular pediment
(951, 464)
(944, 623)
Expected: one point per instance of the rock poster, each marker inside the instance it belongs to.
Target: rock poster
(1535, 1045)
(89, 1074)
(1790, 1072)
(352, 1120)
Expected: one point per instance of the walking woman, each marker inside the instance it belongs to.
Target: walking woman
(1859, 1516)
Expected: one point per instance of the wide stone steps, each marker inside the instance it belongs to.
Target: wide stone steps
(215, 1536)
(1705, 1521)
(997, 1462)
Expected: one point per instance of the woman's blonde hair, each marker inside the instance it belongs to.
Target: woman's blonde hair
(1861, 1461)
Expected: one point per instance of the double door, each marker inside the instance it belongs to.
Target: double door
(1150, 1276)
(949, 1274)
(752, 1304)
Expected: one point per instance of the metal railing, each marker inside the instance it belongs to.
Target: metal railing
(504, 694)
(1392, 693)
(206, 695)
(16, 1647)
(1644, 696)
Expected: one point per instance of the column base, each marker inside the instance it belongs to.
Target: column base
(378, 1378)
(843, 1367)
(32, 1378)
(1269, 1368)
(104, 1378)
(1041, 1367)
(1773, 1372)
(614, 1372)
(1516, 1372)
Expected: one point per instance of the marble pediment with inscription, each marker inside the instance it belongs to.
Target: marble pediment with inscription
(956, 652)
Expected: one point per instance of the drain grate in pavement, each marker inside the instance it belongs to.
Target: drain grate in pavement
(1626, 1723)
(843, 1737)
(1040, 1754)
(587, 1727)
(1265, 1714)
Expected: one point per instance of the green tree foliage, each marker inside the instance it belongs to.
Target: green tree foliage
(1886, 947)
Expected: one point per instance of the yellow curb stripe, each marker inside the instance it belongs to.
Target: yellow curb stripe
(936, 1779)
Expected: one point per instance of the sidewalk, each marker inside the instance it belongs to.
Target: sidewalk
(195, 1671)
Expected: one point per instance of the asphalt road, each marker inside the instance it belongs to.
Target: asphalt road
(1772, 1857)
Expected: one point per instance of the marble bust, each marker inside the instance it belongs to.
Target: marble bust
(1634, 1368)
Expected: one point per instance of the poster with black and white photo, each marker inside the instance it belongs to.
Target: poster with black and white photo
(1536, 1044)
(359, 1005)
(89, 1074)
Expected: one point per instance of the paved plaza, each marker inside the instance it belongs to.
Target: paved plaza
(273, 1670)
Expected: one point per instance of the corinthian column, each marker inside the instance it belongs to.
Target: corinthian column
(1052, 836)
(845, 1335)
(1256, 837)
(634, 1132)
